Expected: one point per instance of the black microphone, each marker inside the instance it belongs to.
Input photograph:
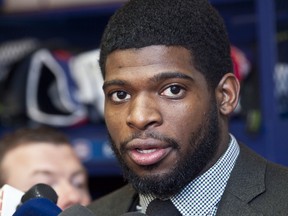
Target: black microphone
(133, 214)
(39, 200)
(77, 210)
(40, 191)
(162, 207)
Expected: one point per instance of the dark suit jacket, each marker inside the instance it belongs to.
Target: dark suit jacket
(255, 187)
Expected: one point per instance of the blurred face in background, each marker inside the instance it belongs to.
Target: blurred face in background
(55, 165)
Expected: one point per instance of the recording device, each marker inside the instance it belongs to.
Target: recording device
(133, 214)
(162, 207)
(40, 191)
(38, 207)
(10, 198)
(39, 200)
(77, 210)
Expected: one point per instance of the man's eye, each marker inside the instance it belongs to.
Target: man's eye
(120, 96)
(174, 91)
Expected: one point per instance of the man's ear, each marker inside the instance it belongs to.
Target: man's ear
(227, 93)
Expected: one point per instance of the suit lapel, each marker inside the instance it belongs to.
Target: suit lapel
(245, 183)
(127, 201)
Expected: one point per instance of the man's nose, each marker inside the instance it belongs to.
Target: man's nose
(144, 112)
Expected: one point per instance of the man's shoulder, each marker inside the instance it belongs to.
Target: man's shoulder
(256, 186)
(115, 203)
(249, 161)
(273, 199)
(252, 158)
(277, 175)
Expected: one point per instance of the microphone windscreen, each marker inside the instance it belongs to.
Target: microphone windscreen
(77, 210)
(40, 191)
(133, 214)
(162, 207)
(38, 207)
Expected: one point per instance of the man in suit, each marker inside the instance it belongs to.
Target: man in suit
(169, 91)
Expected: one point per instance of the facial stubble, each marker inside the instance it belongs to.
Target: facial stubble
(204, 144)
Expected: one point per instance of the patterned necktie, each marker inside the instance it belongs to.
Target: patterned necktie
(159, 207)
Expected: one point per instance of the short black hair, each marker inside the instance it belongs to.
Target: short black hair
(192, 24)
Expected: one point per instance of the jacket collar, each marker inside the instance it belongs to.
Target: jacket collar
(245, 183)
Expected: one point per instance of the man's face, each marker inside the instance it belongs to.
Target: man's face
(161, 117)
(57, 166)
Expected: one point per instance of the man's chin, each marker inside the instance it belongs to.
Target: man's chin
(154, 184)
(151, 172)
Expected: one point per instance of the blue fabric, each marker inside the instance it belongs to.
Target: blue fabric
(37, 207)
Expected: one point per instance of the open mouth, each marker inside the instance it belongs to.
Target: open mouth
(148, 156)
(146, 151)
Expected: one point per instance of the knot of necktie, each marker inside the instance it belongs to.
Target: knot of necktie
(159, 207)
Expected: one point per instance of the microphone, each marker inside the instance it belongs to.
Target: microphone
(10, 198)
(77, 210)
(40, 191)
(38, 207)
(39, 200)
(162, 207)
(133, 214)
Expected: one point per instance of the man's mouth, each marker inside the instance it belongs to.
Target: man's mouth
(145, 152)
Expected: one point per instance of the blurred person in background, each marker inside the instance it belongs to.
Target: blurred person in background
(29, 156)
